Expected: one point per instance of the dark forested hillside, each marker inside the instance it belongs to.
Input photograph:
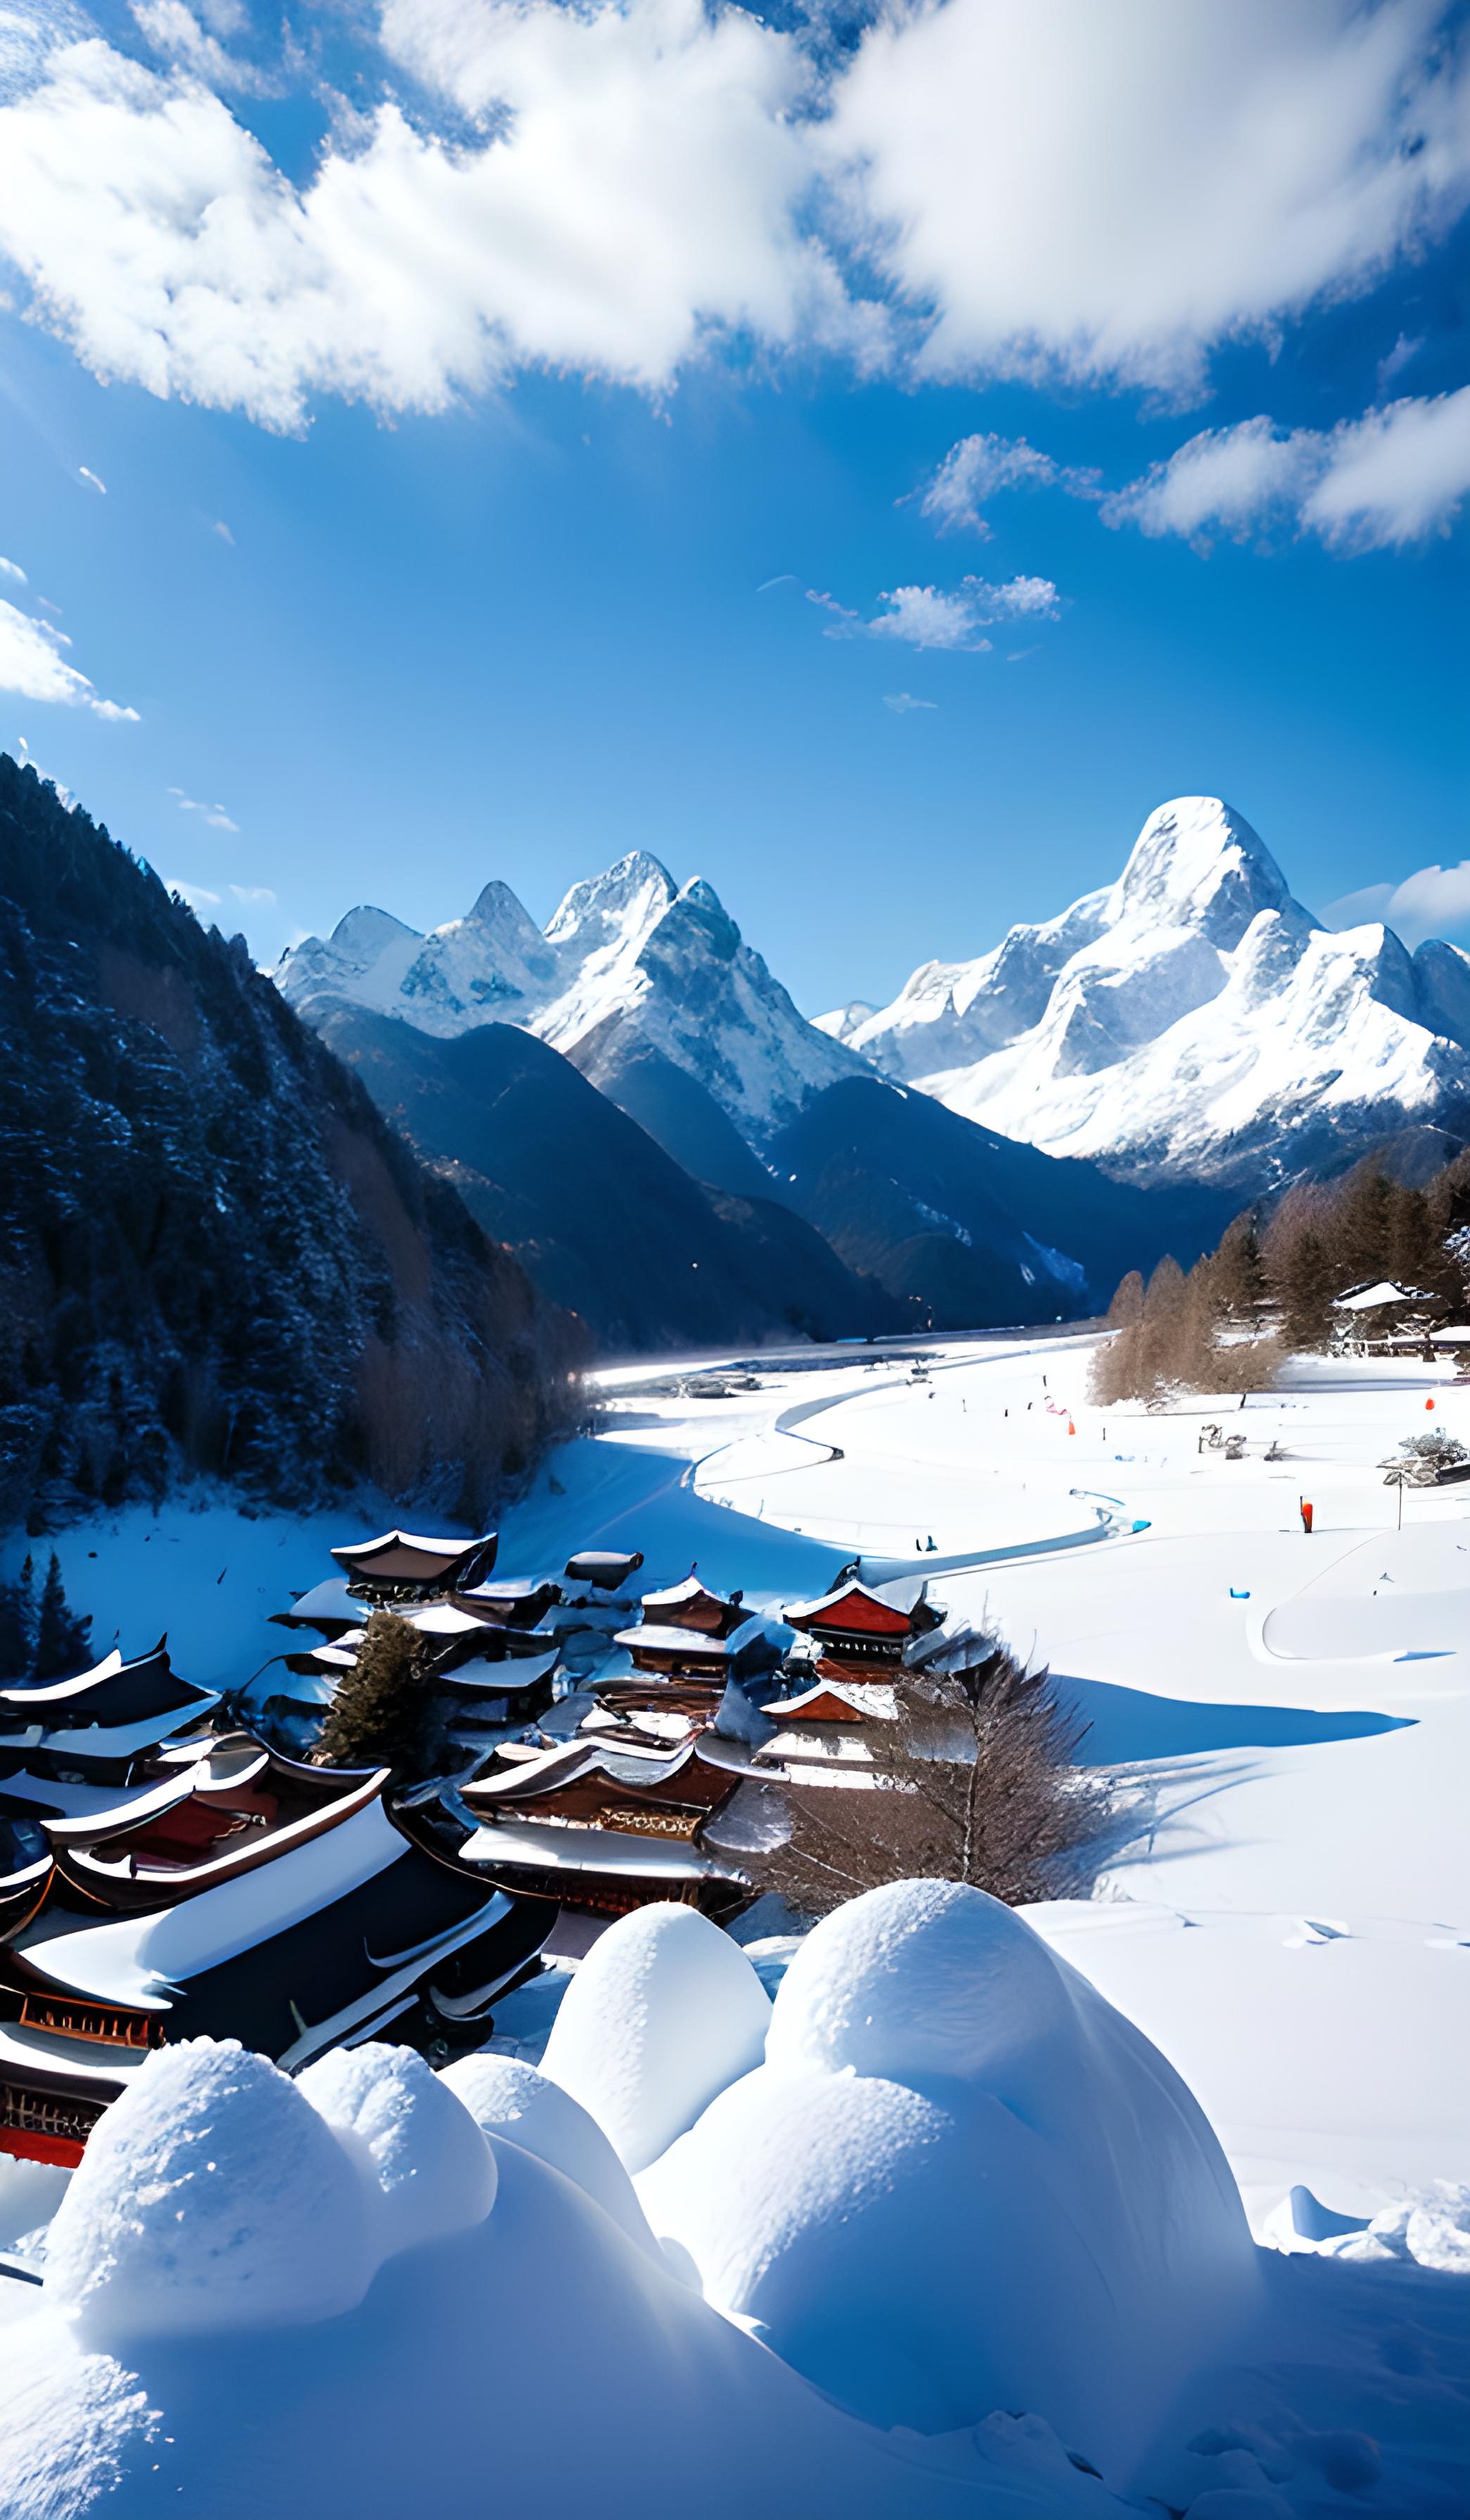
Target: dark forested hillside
(214, 1255)
(977, 1228)
(603, 1218)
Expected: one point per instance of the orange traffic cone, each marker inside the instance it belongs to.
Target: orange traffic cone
(1071, 1430)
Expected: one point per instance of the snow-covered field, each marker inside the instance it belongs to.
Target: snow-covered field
(1284, 1914)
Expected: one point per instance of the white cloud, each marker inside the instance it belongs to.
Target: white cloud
(1102, 192)
(1399, 356)
(1434, 901)
(254, 892)
(215, 815)
(11, 569)
(901, 702)
(196, 894)
(1227, 480)
(978, 466)
(641, 180)
(176, 35)
(1379, 482)
(222, 530)
(1395, 476)
(31, 663)
(932, 616)
(88, 475)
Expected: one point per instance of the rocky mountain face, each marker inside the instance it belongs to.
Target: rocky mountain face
(857, 1207)
(1190, 1023)
(214, 1255)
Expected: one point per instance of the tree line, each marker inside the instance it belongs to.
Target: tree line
(1269, 1288)
(41, 1639)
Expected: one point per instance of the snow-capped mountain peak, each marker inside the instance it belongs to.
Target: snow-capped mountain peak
(1198, 866)
(630, 957)
(631, 895)
(1193, 1019)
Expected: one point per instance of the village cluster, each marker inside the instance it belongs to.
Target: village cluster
(174, 1864)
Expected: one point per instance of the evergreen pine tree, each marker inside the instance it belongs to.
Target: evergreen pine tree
(1362, 1223)
(17, 1622)
(1308, 1284)
(387, 1712)
(1239, 1274)
(63, 1638)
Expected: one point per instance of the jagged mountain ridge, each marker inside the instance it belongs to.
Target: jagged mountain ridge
(649, 990)
(214, 1255)
(629, 954)
(1190, 1022)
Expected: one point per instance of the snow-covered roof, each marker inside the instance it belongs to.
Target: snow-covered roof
(52, 1692)
(494, 1679)
(327, 1604)
(628, 1763)
(454, 1619)
(852, 1702)
(508, 1589)
(1371, 1299)
(652, 1639)
(220, 1768)
(412, 1557)
(668, 1728)
(546, 1846)
(604, 1568)
(113, 1740)
(895, 1602)
(144, 1959)
(691, 1590)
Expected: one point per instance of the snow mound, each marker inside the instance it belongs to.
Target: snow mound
(514, 2102)
(1432, 2229)
(961, 2181)
(921, 1977)
(662, 2014)
(211, 2195)
(431, 2169)
(349, 2416)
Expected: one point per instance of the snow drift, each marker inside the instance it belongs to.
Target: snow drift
(961, 2180)
(213, 2196)
(213, 2338)
(664, 2012)
(514, 2102)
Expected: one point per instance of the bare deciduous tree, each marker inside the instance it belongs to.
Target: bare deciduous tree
(978, 1780)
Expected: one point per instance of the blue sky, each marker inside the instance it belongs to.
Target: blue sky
(412, 589)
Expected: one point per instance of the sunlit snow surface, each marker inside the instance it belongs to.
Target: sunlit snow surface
(1284, 1915)
(1192, 1019)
